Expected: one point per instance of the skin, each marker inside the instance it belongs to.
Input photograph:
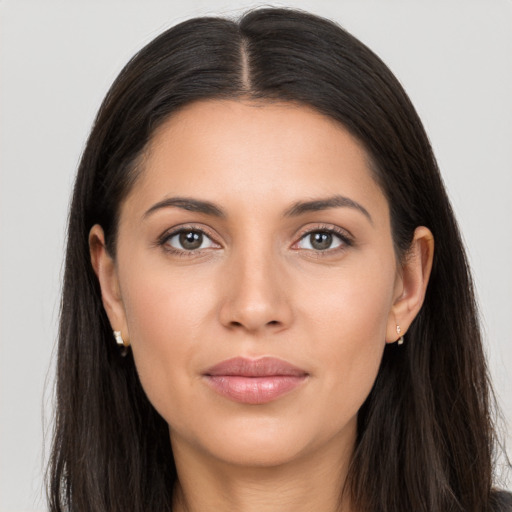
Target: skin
(259, 287)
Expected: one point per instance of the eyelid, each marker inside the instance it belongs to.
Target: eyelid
(344, 235)
(176, 230)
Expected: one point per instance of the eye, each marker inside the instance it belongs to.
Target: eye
(321, 240)
(189, 240)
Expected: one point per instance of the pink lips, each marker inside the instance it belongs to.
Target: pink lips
(254, 381)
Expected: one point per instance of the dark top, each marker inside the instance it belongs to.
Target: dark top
(501, 501)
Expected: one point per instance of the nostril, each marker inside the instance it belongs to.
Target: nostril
(240, 324)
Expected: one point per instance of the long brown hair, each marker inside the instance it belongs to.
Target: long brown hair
(425, 436)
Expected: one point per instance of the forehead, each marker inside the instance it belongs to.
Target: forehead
(256, 151)
(236, 126)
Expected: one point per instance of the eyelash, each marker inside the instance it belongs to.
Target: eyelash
(345, 238)
(164, 239)
(342, 235)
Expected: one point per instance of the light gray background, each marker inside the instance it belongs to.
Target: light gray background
(57, 61)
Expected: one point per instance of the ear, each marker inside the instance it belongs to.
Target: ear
(411, 284)
(106, 271)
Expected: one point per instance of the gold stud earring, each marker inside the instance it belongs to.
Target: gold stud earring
(400, 339)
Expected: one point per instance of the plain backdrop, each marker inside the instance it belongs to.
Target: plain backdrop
(57, 60)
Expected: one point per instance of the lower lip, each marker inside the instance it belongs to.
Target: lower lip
(254, 390)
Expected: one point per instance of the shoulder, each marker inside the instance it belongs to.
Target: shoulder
(501, 501)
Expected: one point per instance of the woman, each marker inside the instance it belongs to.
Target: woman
(266, 301)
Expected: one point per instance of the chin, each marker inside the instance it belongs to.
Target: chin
(265, 442)
(259, 453)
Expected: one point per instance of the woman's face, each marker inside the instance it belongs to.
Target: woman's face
(256, 280)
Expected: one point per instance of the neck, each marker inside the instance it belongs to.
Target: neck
(305, 484)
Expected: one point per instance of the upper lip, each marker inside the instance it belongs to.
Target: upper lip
(262, 367)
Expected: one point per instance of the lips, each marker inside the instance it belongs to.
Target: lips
(254, 381)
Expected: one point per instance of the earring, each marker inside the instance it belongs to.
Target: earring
(400, 340)
(121, 342)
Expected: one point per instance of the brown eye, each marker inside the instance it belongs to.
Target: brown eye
(189, 240)
(320, 241)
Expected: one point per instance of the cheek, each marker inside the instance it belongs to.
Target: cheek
(348, 318)
(164, 303)
(354, 302)
(164, 316)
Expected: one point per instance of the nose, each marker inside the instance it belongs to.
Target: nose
(255, 294)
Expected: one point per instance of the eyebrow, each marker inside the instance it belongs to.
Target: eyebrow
(297, 209)
(316, 205)
(187, 203)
